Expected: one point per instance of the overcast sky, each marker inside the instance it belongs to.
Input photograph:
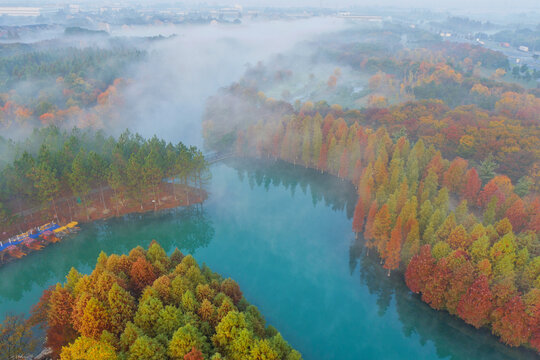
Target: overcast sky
(477, 5)
(456, 4)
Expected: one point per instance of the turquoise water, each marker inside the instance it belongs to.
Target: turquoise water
(283, 233)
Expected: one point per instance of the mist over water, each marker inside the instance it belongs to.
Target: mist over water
(171, 86)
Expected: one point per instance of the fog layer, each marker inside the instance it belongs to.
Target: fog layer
(170, 88)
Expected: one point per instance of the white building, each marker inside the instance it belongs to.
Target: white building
(20, 11)
(27, 10)
(74, 9)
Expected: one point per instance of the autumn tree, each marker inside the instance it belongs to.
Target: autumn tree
(95, 319)
(194, 354)
(16, 337)
(59, 325)
(323, 158)
(184, 340)
(147, 348)
(370, 222)
(121, 308)
(344, 165)
(512, 323)
(411, 245)
(393, 248)
(517, 215)
(142, 274)
(231, 288)
(85, 348)
(458, 238)
(472, 186)
(436, 285)
(453, 178)
(420, 269)
(381, 230)
(475, 305)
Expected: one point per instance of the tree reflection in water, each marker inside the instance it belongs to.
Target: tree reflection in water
(336, 193)
(186, 228)
(452, 337)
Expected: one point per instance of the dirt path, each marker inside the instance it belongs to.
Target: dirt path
(69, 210)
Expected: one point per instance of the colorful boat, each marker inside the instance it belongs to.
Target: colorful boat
(50, 236)
(48, 230)
(11, 242)
(60, 229)
(50, 226)
(15, 252)
(33, 244)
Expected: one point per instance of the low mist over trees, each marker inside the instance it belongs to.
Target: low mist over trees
(463, 236)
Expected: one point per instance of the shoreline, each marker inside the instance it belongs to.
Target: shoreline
(399, 272)
(95, 211)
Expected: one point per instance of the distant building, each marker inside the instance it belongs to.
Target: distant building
(20, 11)
(230, 13)
(74, 9)
(348, 15)
(252, 14)
(28, 11)
(110, 8)
(104, 26)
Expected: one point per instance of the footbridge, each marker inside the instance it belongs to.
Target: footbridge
(218, 156)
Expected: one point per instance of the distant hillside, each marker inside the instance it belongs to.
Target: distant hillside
(71, 31)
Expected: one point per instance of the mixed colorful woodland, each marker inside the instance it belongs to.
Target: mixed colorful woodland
(441, 146)
(466, 237)
(148, 305)
(62, 84)
(447, 194)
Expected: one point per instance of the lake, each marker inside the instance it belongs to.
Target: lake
(284, 234)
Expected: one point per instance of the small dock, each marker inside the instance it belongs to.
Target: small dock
(33, 240)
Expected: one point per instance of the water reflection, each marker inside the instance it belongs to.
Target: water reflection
(337, 194)
(453, 339)
(309, 277)
(186, 228)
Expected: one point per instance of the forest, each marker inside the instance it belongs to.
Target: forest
(448, 188)
(457, 97)
(54, 166)
(62, 84)
(429, 148)
(464, 237)
(147, 305)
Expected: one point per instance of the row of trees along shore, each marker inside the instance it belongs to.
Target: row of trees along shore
(74, 164)
(147, 305)
(468, 243)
